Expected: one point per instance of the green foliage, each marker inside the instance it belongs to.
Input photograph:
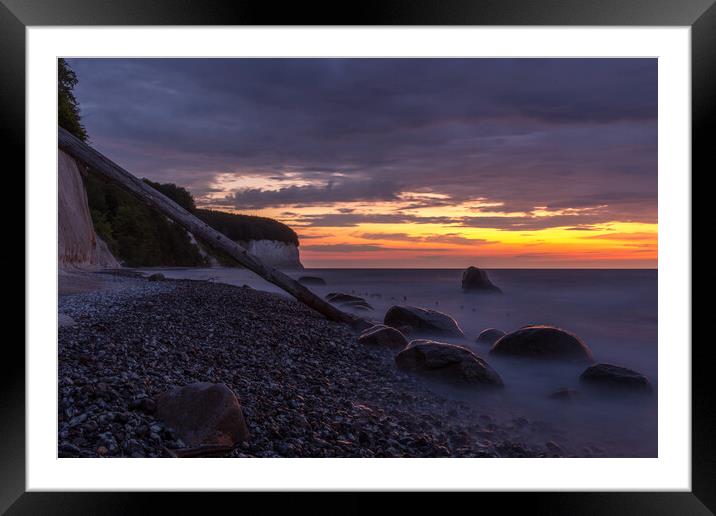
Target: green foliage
(178, 194)
(247, 227)
(136, 234)
(141, 237)
(103, 228)
(68, 110)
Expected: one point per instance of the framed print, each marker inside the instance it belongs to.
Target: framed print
(419, 248)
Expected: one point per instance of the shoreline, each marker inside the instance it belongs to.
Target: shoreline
(306, 387)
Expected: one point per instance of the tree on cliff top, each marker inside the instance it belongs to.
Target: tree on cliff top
(178, 194)
(68, 109)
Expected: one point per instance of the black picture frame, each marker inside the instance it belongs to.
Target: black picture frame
(17, 15)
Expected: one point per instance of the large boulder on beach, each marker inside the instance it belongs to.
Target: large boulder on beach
(454, 364)
(311, 280)
(489, 336)
(203, 414)
(385, 336)
(615, 379)
(474, 279)
(347, 300)
(542, 342)
(157, 276)
(422, 320)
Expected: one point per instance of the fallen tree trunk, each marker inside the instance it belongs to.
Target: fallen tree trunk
(155, 199)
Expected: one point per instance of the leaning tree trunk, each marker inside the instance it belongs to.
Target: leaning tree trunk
(148, 195)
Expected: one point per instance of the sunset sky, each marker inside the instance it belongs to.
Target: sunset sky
(439, 163)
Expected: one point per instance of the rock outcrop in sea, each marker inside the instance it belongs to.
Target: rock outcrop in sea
(542, 342)
(453, 364)
(477, 280)
(423, 321)
(490, 336)
(311, 281)
(348, 300)
(615, 379)
(385, 336)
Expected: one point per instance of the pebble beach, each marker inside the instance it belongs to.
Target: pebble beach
(306, 387)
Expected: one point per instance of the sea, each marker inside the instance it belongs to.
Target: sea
(614, 312)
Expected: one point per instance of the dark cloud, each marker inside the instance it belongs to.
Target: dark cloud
(525, 222)
(354, 219)
(555, 133)
(332, 192)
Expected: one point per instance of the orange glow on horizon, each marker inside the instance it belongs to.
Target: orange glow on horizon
(613, 244)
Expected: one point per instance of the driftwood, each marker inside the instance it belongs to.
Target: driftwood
(161, 203)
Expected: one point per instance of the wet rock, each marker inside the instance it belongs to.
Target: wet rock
(405, 329)
(311, 280)
(454, 364)
(381, 335)
(474, 279)
(422, 320)
(542, 342)
(338, 298)
(611, 378)
(489, 336)
(157, 276)
(203, 413)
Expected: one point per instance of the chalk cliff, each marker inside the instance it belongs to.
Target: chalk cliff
(78, 244)
(282, 255)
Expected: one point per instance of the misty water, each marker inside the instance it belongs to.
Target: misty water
(613, 311)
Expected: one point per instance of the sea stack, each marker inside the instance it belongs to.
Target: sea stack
(543, 342)
(474, 279)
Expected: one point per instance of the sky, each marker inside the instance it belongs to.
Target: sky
(392, 163)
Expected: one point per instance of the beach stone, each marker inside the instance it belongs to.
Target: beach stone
(339, 298)
(477, 279)
(381, 335)
(610, 377)
(543, 342)
(65, 321)
(203, 413)
(490, 336)
(311, 280)
(157, 276)
(452, 363)
(422, 320)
